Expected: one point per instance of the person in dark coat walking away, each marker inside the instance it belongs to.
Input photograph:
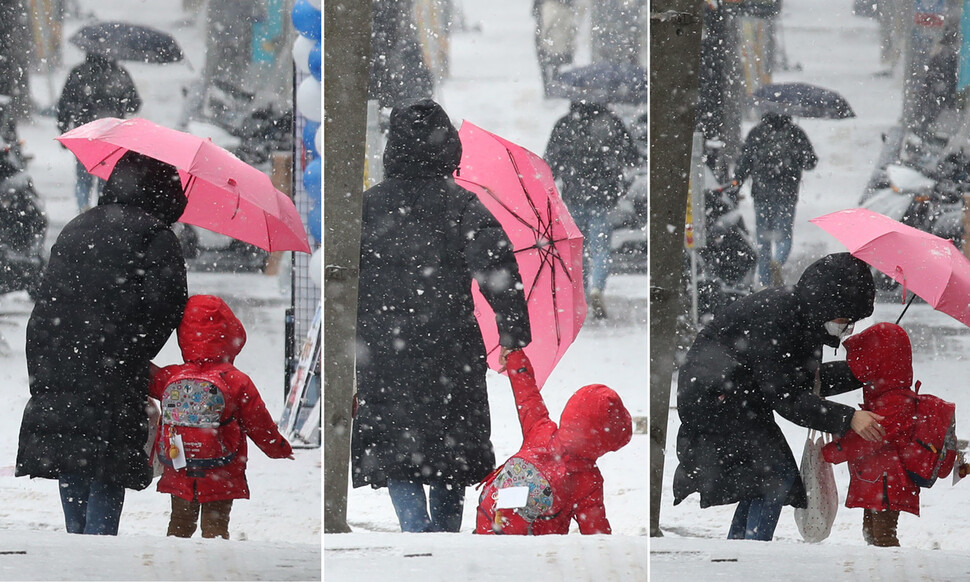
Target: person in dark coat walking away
(98, 87)
(555, 38)
(774, 154)
(422, 409)
(206, 392)
(882, 358)
(760, 355)
(556, 464)
(112, 294)
(588, 151)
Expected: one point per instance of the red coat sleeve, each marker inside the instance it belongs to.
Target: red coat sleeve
(533, 414)
(590, 511)
(158, 381)
(255, 420)
(898, 423)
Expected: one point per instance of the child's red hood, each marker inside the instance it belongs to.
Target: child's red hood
(209, 331)
(882, 358)
(594, 422)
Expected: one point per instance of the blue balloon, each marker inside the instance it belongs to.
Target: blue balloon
(310, 137)
(314, 61)
(313, 180)
(307, 20)
(314, 221)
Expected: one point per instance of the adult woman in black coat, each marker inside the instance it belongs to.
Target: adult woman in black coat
(760, 355)
(112, 294)
(422, 408)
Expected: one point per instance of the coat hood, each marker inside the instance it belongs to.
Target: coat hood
(147, 183)
(421, 142)
(209, 331)
(594, 422)
(882, 358)
(837, 285)
(776, 120)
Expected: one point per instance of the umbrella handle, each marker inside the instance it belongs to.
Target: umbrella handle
(903, 298)
(908, 303)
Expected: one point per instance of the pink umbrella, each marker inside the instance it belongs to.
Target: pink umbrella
(225, 194)
(927, 265)
(517, 187)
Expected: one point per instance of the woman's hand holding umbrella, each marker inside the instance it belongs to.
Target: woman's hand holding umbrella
(867, 425)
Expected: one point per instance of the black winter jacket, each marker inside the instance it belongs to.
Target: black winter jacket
(99, 87)
(422, 405)
(112, 294)
(758, 356)
(775, 153)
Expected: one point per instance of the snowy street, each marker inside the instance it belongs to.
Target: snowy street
(839, 51)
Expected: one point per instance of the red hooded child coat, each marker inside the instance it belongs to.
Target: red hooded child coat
(557, 464)
(882, 358)
(210, 336)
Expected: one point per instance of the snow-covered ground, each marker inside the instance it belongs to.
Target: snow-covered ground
(276, 535)
(495, 84)
(839, 51)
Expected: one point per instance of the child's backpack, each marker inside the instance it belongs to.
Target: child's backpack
(932, 450)
(536, 497)
(194, 408)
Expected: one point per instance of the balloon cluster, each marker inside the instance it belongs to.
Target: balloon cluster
(307, 21)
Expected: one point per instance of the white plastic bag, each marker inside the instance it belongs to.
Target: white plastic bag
(815, 521)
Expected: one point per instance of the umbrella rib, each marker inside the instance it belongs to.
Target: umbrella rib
(525, 191)
(504, 205)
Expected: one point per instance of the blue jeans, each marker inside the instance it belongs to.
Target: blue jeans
(756, 519)
(597, 230)
(411, 506)
(774, 222)
(85, 183)
(91, 507)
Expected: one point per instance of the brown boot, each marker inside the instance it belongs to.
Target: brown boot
(215, 519)
(185, 514)
(883, 529)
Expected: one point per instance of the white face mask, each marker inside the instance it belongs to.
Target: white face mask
(839, 330)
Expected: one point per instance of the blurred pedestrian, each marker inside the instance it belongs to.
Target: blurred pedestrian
(209, 408)
(555, 38)
(589, 151)
(759, 356)
(422, 413)
(398, 71)
(113, 292)
(774, 154)
(99, 87)
(229, 38)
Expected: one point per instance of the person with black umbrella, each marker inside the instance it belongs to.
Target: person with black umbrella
(98, 87)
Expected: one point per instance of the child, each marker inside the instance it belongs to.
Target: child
(881, 357)
(208, 409)
(554, 474)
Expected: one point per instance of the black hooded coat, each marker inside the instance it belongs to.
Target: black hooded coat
(774, 154)
(112, 294)
(758, 356)
(98, 87)
(422, 408)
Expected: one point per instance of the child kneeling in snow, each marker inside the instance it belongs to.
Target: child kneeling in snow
(882, 358)
(209, 407)
(554, 479)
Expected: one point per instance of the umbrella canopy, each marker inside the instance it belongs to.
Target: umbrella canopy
(802, 100)
(128, 42)
(603, 82)
(225, 194)
(517, 187)
(927, 265)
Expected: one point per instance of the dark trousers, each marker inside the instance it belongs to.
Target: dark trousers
(90, 507)
(756, 519)
(185, 515)
(411, 506)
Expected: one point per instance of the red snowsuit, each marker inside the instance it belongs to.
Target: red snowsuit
(882, 358)
(558, 464)
(210, 336)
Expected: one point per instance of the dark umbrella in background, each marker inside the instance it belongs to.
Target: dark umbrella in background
(603, 82)
(128, 42)
(801, 100)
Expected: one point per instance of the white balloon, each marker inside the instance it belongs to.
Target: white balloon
(318, 139)
(301, 53)
(309, 99)
(315, 4)
(316, 267)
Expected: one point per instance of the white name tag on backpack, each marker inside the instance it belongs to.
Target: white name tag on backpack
(512, 497)
(175, 443)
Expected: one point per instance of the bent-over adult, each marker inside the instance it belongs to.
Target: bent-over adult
(760, 355)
